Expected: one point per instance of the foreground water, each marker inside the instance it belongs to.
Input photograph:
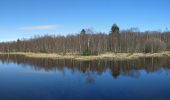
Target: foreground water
(24, 78)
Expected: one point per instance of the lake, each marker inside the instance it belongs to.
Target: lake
(23, 78)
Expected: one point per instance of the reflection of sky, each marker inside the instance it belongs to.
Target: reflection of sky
(73, 84)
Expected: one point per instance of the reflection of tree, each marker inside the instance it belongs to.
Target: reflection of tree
(127, 68)
(90, 79)
(132, 73)
(115, 74)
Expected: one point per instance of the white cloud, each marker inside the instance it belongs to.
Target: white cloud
(39, 27)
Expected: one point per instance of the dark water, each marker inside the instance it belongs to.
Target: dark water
(44, 79)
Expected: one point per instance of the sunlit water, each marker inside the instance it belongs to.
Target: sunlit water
(44, 79)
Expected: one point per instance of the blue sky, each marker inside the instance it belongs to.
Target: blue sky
(27, 18)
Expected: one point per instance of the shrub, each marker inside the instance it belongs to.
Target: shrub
(154, 45)
(89, 52)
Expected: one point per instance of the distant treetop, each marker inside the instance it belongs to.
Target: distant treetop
(114, 29)
(83, 32)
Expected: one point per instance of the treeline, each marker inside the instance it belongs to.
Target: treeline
(88, 42)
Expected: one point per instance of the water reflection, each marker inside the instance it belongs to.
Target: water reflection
(47, 79)
(130, 68)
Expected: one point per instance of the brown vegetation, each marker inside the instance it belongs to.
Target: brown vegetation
(91, 43)
(108, 56)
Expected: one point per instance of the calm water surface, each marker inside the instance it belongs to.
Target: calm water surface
(44, 79)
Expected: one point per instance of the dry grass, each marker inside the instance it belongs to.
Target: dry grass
(111, 56)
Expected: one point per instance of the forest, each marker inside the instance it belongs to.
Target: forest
(88, 42)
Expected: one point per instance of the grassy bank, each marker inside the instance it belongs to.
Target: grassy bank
(110, 56)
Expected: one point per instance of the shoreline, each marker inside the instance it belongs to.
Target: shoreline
(109, 56)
